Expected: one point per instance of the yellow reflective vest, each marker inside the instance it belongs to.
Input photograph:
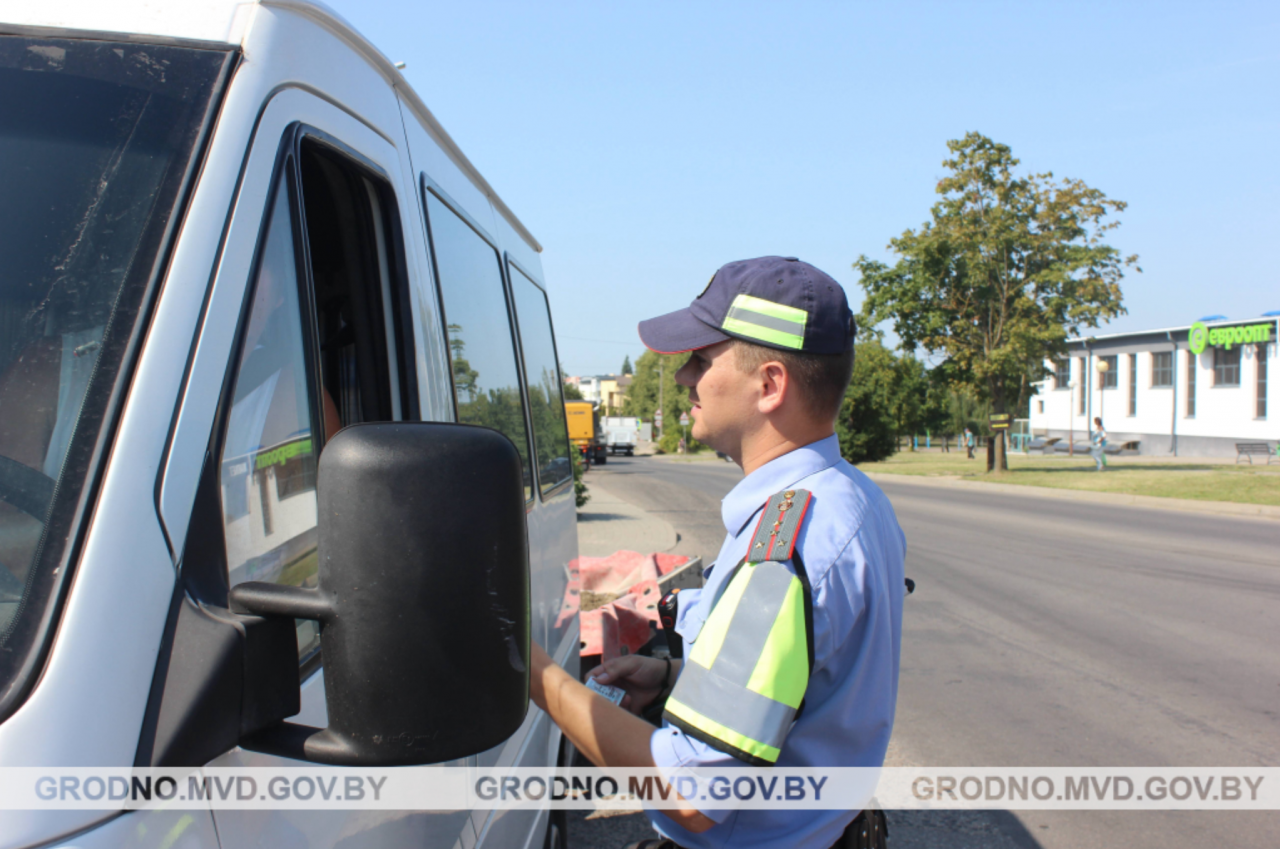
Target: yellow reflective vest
(743, 682)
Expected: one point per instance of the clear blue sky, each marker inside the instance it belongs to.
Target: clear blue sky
(647, 144)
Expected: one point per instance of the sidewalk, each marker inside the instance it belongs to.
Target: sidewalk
(605, 525)
(608, 524)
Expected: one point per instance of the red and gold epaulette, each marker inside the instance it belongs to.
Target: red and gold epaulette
(775, 536)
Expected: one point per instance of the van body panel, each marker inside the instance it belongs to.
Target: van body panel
(339, 828)
(300, 64)
(88, 706)
(430, 160)
(436, 396)
(194, 421)
(155, 829)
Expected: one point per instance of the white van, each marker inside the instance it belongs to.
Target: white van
(230, 234)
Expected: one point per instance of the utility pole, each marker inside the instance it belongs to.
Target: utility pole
(661, 381)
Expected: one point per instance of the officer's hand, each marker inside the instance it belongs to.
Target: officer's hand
(640, 676)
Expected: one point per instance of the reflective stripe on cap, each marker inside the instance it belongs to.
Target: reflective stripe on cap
(767, 321)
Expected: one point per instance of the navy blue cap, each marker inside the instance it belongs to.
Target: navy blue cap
(779, 302)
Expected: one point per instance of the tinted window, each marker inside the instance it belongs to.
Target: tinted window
(268, 468)
(542, 376)
(95, 138)
(486, 381)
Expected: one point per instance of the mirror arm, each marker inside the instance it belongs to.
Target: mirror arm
(288, 739)
(301, 743)
(263, 599)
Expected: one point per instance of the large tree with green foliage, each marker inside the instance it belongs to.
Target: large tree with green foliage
(652, 371)
(1007, 268)
(867, 427)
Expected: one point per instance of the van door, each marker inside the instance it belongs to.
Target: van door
(488, 391)
(322, 335)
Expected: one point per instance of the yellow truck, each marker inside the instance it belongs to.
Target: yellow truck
(584, 431)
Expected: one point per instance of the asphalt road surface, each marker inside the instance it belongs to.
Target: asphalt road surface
(1058, 633)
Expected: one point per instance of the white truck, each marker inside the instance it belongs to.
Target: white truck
(621, 434)
(252, 296)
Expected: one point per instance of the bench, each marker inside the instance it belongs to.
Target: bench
(1254, 449)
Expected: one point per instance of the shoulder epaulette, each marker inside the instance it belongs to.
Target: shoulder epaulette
(775, 536)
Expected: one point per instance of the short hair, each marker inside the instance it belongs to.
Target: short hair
(821, 378)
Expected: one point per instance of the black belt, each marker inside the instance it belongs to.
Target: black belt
(869, 830)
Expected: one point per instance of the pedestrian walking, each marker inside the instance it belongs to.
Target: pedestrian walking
(809, 577)
(969, 441)
(1098, 444)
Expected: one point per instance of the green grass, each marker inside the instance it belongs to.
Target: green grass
(297, 573)
(1200, 480)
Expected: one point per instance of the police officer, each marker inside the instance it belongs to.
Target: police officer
(792, 645)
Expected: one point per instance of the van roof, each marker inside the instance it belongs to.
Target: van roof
(227, 21)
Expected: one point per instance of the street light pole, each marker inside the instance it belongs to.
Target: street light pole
(661, 380)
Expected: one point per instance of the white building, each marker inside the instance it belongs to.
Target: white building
(1188, 391)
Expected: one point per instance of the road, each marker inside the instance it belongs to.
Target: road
(1058, 633)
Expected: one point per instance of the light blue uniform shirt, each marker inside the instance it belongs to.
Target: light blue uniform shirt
(853, 552)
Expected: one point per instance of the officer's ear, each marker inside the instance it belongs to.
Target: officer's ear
(775, 386)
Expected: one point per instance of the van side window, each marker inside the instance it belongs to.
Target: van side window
(269, 447)
(486, 382)
(542, 377)
(354, 296)
(321, 349)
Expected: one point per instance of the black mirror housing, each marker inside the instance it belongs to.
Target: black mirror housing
(423, 597)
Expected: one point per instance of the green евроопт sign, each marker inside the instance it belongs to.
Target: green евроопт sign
(1202, 337)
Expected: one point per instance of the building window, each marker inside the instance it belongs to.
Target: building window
(1110, 378)
(1162, 369)
(1260, 357)
(1041, 407)
(1191, 385)
(1084, 385)
(1226, 367)
(1133, 384)
(1062, 374)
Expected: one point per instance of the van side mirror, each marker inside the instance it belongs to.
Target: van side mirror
(423, 597)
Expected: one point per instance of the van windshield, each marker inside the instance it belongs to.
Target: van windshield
(95, 142)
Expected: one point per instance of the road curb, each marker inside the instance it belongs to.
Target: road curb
(1185, 505)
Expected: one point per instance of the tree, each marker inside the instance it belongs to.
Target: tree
(626, 364)
(866, 426)
(464, 376)
(1006, 269)
(571, 390)
(651, 370)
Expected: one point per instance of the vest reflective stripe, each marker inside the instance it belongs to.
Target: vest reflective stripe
(720, 736)
(748, 670)
(753, 716)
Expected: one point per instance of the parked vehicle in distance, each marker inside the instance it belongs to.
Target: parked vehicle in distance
(232, 235)
(584, 431)
(621, 434)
